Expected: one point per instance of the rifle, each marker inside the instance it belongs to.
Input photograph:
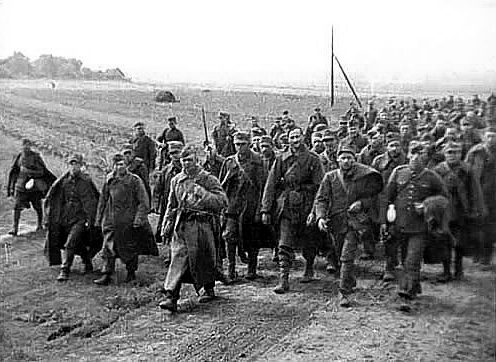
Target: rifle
(204, 119)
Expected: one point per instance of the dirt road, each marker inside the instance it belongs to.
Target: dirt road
(77, 320)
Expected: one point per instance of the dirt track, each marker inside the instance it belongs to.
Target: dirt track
(45, 320)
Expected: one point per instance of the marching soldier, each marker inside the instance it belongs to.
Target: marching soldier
(293, 181)
(329, 156)
(408, 186)
(29, 180)
(144, 146)
(342, 205)
(222, 135)
(314, 120)
(171, 133)
(70, 208)
(137, 166)
(241, 177)
(195, 197)
(372, 150)
(354, 140)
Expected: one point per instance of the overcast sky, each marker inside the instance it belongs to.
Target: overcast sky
(258, 41)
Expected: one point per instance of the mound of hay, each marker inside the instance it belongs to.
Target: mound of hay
(165, 96)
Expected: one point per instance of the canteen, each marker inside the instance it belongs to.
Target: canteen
(29, 184)
(391, 213)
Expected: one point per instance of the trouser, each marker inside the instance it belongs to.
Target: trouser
(73, 234)
(368, 238)
(348, 255)
(392, 244)
(109, 256)
(410, 278)
(488, 233)
(459, 235)
(287, 241)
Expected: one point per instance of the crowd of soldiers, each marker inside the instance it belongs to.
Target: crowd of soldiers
(419, 178)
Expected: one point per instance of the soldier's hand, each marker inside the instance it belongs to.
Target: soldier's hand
(266, 218)
(355, 207)
(310, 219)
(383, 229)
(322, 224)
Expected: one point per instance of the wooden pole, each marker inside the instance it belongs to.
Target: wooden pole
(348, 81)
(332, 66)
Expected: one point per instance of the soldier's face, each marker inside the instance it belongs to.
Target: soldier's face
(393, 148)
(491, 139)
(139, 131)
(174, 155)
(418, 159)
(466, 126)
(127, 157)
(331, 143)
(295, 139)
(352, 131)
(265, 149)
(120, 168)
(376, 141)
(74, 167)
(318, 145)
(404, 130)
(453, 155)
(346, 161)
(241, 147)
(188, 162)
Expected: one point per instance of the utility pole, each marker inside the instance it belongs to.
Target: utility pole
(332, 66)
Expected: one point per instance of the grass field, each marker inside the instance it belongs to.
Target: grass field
(41, 319)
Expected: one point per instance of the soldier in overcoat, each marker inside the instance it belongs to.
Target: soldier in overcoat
(70, 209)
(122, 214)
(242, 177)
(292, 183)
(195, 198)
(143, 146)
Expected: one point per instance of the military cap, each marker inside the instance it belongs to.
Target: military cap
(372, 132)
(78, 158)
(451, 145)
(188, 151)
(317, 109)
(117, 158)
(242, 137)
(175, 146)
(343, 122)
(138, 124)
(317, 135)
(415, 147)
(285, 113)
(256, 131)
(346, 149)
(329, 134)
(266, 140)
(392, 137)
(224, 115)
(283, 137)
(319, 127)
(370, 101)
(172, 119)
(27, 142)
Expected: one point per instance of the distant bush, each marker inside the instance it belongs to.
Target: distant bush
(49, 66)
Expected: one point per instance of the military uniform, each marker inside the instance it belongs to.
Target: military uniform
(356, 143)
(242, 178)
(292, 183)
(144, 148)
(405, 188)
(368, 154)
(222, 135)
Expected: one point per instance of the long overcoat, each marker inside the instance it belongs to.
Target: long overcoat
(88, 196)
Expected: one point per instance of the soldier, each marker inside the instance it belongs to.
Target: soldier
(317, 143)
(293, 181)
(342, 131)
(70, 208)
(222, 135)
(256, 135)
(171, 133)
(195, 197)
(136, 166)
(162, 188)
(354, 140)
(122, 214)
(385, 164)
(241, 177)
(213, 161)
(144, 146)
(482, 159)
(465, 202)
(314, 120)
(469, 136)
(370, 115)
(342, 204)
(28, 181)
(373, 149)
(408, 186)
(255, 125)
(329, 157)
(276, 128)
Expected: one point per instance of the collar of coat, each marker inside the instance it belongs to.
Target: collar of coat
(111, 176)
(183, 175)
(443, 168)
(303, 153)
(56, 184)
(361, 170)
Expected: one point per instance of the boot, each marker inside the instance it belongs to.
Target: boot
(88, 265)
(67, 260)
(170, 302)
(15, 226)
(131, 276)
(283, 285)
(388, 276)
(105, 279)
(252, 265)
(284, 266)
(343, 300)
(308, 275)
(242, 256)
(446, 276)
(207, 295)
(458, 265)
(275, 257)
(231, 259)
(39, 214)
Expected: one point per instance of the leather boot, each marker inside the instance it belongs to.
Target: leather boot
(283, 285)
(231, 259)
(107, 271)
(88, 264)
(39, 214)
(170, 301)
(105, 279)
(284, 266)
(207, 295)
(131, 276)
(458, 265)
(252, 265)
(15, 226)
(67, 260)
(308, 275)
(446, 276)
